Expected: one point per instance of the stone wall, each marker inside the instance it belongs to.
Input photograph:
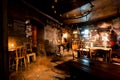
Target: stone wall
(51, 38)
(16, 32)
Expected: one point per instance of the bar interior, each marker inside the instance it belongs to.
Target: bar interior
(60, 39)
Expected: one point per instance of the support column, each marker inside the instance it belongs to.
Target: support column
(34, 36)
(4, 63)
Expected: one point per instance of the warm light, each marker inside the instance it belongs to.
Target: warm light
(60, 14)
(105, 39)
(87, 45)
(104, 25)
(82, 12)
(64, 35)
(56, 1)
(53, 6)
(67, 15)
(74, 15)
(61, 23)
(91, 44)
(27, 21)
(75, 32)
(11, 44)
(89, 9)
(55, 12)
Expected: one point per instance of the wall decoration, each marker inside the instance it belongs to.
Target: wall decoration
(28, 31)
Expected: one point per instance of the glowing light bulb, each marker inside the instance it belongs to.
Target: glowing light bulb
(12, 45)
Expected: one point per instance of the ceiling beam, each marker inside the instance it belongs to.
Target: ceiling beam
(29, 5)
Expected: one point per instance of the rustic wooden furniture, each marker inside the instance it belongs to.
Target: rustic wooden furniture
(29, 53)
(12, 60)
(82, 52)
(108, 50)
(20, 54)
(42, 49)
(32, 55)
(87, 69)
(17, 57)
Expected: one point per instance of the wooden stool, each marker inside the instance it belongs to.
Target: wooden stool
(32, 55)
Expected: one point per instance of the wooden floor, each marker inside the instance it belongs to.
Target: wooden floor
(86, 69)
(92, 69)
(116, 60)
(65, 68)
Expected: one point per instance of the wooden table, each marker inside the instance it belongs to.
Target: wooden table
(81, 51)
(101, 48)
(92, 70)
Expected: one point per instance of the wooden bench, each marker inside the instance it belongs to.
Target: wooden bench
(93, 70)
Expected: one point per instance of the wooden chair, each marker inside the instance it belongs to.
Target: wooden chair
(20, 58)
(74, 50)
(101, 55)
(42, 49)
(12, 60)
(30, 54)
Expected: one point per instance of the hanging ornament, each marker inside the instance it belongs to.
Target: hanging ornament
(74, 15)
(67, 15)
(60, 15)
(82, 12)
(55, 1)
(53, 6)
(28, 31)
(55, 12)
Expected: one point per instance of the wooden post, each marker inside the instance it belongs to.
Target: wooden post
(4, 67)
(34, 36)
